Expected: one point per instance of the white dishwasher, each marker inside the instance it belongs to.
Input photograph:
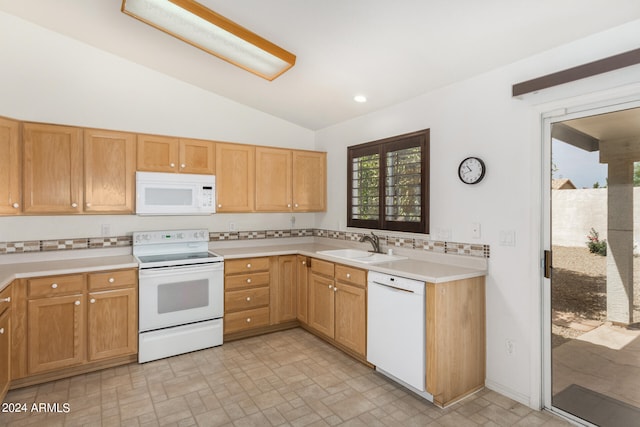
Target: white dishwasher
(396, 329)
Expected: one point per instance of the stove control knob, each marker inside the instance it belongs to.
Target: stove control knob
(180, 235)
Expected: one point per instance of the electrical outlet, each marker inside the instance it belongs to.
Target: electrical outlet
(105, 230)
(475, 230)
(233, 226)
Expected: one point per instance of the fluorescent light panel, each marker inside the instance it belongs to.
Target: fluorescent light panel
(201, 27)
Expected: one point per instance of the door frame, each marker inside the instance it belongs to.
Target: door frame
(607, 102)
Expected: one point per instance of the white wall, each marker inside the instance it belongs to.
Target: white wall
(479, 117)
(51, 78)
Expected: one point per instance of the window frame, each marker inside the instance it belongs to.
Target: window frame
(382, 147)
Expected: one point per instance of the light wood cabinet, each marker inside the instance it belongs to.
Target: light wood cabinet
(112, 314)
(455, 345)
(52, 169)
(309, 181)
(10, 167)
(166, 154)
(5, 341)
(302, 305)
(73, 323)
(235, 177)
(284, 290)
(337, 304)
(56, 333)
(247, 294)
(109, 171)
(290, 180)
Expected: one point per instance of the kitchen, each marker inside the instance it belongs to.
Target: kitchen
(497, 127)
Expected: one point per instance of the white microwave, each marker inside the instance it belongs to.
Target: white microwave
(160, 193)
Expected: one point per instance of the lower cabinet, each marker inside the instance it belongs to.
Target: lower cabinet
(74, 320)
(5, 341)
(337, 304)
(246, 294)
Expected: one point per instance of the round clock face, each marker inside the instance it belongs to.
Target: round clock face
(471, 170)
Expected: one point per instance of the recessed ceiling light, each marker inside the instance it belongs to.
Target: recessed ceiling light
(360, 98)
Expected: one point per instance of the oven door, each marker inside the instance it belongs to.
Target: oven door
(178, 295)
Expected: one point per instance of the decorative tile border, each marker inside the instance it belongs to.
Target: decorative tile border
(386, 241)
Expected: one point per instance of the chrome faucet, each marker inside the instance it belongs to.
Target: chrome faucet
(374, 240)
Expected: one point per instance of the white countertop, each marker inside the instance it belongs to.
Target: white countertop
(10, 272)
(428, 271)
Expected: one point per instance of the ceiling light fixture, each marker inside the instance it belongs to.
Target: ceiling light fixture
(360, 98)
(201, 27)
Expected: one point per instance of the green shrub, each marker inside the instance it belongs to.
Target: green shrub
(595, 245)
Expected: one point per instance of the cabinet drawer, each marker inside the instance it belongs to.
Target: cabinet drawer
(5, 299)
(347, 274)
(246, 265)
(246, 299)
(234, 322)
(322, 267)
(56, 285)
(113, 279)
(246, 281)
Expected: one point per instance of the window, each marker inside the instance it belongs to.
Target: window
(388, 183)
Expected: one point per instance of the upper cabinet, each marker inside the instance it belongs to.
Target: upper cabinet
(10, 187)
(235, 177)
(109, 171)
(166, 154)
(52, 168)
(290, 180)
(309, 181)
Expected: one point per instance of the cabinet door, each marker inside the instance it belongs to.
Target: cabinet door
(52, 168)
(235, 177)
(113, 323)
(55, 332)
(309, 181)
(197, 156)
(109, 171)
(303, 286)
(321, 304)
(158, 153)
(10, 187)
(285, 290)
(351, 319)
(5, 353)
(273, 180)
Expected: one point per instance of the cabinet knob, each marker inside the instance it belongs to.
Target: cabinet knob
(88, 205)
(330, 286)
(92, 301)
(183, 166)
(77, 303)
(248, 319)
(335, 289)
(54, 286)
(248, 265)
(288, 205)
(173, 165)
(248, 280)
(348, 275)
(304, 262)
(295, 205)
(112, 280)
(248, 299)
(219, 205)
(1, 331)
(74, 205)
(7, 299)
(16, 205)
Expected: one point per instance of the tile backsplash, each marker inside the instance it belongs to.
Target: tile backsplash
(386, 241)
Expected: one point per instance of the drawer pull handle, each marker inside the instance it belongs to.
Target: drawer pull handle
(335, 289)
(7, 299)
(92, 301)
(1, 331)
(304, 262)
(77, 303)
(54, 286)
(112, 280)
(183, 166)
(348, 275)
(248, 319)
(248, 280)
(15, 205)
(330, 286)
(74, 205)
(249, 265)
(248, 299)
(219, 205)
(173, 165)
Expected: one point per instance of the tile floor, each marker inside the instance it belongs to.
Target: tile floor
(285, 378)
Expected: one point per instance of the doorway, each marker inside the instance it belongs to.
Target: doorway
(592, 294)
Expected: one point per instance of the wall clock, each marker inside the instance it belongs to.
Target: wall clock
(471, 170)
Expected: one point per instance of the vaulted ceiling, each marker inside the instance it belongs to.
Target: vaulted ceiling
(390, 51)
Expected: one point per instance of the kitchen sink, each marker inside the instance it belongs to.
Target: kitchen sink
(361, 256)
